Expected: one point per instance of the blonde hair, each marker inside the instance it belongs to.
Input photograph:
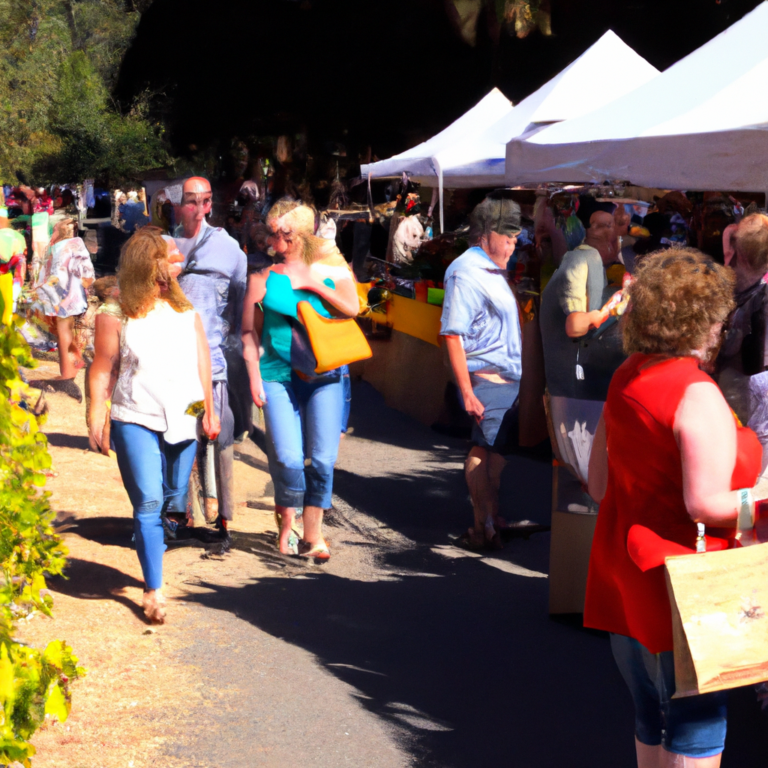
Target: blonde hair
(300, 219)
(751, 242)
(143, 266)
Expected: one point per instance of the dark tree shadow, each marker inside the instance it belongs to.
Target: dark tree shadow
(459, 657)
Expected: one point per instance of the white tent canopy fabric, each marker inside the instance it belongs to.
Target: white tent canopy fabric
(702, 124)
(471, 151)
(419, 161)
(480, 163)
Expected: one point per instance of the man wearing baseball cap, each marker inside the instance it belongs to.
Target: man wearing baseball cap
(481, 327)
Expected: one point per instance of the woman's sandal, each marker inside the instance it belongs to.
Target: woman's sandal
(153, 604)
(319, 551)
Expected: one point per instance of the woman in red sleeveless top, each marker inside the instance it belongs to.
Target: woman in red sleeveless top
(668, 455)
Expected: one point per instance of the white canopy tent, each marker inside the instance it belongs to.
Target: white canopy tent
(471, 152)
(422, 161)
(481, 163)
(702, 124)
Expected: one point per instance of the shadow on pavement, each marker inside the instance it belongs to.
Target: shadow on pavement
(60, 440)
(460, 658)
(85, 580)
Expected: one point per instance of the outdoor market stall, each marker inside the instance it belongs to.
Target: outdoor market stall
(470, 153)
(698, 126)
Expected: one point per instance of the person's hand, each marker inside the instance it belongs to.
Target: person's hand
(473, 406)
(257, 393)
(174, 270)
(96, 436)
(597, 317)
(211, 425)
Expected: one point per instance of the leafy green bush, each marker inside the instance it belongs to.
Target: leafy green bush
(33, 684)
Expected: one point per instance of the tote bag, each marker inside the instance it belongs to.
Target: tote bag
(719, 618)
(334, 342)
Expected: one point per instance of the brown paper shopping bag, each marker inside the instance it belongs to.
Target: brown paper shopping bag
(719, 618)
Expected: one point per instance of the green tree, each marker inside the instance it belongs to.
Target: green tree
(59, 60)
(33, 683)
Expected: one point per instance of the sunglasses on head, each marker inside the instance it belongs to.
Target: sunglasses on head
(193, 201)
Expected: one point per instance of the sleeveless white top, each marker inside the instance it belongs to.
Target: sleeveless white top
(158, 377)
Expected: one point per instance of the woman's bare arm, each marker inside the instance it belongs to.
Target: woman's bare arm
(103, 372)
(706, 433)
(343, 297)
(597, 479)
(211, 425)
(253, 323)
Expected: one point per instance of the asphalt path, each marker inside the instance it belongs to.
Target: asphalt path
(410, 652)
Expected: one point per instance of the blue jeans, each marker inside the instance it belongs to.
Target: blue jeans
(693, 726)
(346, 393)
(302, 422)
(156, 476)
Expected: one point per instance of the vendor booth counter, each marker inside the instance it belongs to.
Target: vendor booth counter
(408, 368)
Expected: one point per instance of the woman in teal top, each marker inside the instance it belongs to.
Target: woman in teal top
(302, 415)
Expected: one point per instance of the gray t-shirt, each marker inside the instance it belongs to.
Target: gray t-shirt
(214, 280)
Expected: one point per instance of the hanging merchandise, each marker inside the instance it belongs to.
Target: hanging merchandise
(90, 198)
(524, 16)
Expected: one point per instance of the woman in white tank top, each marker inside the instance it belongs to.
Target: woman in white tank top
(152, 358)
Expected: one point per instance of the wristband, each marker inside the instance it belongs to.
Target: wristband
(746, 519)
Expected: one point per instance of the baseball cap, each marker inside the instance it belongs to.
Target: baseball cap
(498, 213)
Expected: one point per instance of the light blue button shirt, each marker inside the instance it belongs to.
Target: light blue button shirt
(479, 306)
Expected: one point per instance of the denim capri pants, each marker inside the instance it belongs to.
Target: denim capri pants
(693, 726)
(303, 428)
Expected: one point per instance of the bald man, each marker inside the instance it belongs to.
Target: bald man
(213, 277)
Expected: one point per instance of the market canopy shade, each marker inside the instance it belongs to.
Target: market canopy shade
(606, 70)
(702, 124)
(419, 162)
(471, 151)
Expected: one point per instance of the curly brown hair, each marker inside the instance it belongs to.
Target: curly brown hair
(142, 268)
(675, 299)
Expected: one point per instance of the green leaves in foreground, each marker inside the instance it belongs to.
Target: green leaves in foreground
(33, 684)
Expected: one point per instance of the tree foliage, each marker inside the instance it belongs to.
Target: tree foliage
(59, 60)
(33, 684)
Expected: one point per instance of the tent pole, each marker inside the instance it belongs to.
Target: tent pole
(439, 169)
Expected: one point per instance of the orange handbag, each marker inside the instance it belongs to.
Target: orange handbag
(335, 341)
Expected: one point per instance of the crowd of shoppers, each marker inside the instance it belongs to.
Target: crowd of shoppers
(198, 332)
(671, 467)
(169, 345)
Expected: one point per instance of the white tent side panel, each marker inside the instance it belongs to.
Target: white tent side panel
(702, 124)
(736, 160)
